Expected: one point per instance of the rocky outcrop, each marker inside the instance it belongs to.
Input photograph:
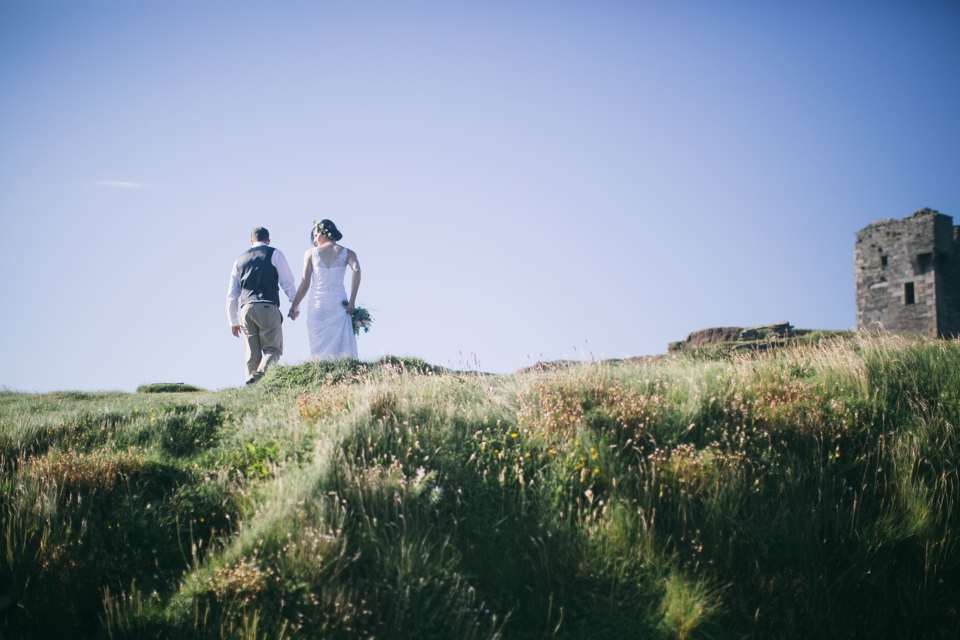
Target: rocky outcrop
(719, 335)
(706, 338)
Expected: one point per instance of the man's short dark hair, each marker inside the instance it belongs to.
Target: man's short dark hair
(260, 234)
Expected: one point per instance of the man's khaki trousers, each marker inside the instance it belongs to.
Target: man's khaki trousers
(260, 323)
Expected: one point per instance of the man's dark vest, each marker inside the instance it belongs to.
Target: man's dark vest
(259, 280)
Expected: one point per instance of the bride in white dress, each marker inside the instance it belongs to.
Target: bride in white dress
(329, 325)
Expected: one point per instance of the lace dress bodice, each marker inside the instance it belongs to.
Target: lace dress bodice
(327, 286)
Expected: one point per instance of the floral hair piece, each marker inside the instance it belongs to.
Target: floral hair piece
(322, 228)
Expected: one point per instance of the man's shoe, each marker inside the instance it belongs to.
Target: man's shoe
(255, 377)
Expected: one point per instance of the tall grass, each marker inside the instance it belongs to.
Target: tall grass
(806, 492)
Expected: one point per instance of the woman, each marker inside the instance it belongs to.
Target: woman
(329, 325)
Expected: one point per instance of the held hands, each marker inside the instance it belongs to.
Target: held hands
(294, 313)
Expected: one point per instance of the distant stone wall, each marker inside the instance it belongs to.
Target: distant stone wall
(719, 335)
(706, 338)
(908, 275)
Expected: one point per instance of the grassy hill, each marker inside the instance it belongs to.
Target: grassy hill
(807, 492)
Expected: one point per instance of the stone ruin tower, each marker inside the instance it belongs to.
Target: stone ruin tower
(908, 275)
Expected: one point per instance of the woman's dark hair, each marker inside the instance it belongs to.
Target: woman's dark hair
(327, 228)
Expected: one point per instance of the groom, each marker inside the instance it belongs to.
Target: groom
(255, 282)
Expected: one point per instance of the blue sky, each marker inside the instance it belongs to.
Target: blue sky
(520, 180)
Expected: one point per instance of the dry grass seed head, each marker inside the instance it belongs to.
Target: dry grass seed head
(327, 403)
(88, 471)
(551, 405)
(244, 579)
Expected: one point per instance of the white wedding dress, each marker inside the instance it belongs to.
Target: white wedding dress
(329, 326)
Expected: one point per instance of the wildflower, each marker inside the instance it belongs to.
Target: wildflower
(513, 435)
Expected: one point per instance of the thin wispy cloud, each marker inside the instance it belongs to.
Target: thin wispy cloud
(118, 184)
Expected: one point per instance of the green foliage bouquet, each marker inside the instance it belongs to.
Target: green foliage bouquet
(361, 319)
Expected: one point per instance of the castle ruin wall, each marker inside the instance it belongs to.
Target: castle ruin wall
(908, 275)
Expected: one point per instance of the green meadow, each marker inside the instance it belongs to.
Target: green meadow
(808, 492)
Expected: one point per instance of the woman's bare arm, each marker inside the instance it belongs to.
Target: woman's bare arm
(354, 264)
(304, 285)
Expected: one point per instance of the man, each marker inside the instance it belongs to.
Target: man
(258, 274)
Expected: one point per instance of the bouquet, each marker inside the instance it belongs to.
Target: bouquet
(361, 319)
